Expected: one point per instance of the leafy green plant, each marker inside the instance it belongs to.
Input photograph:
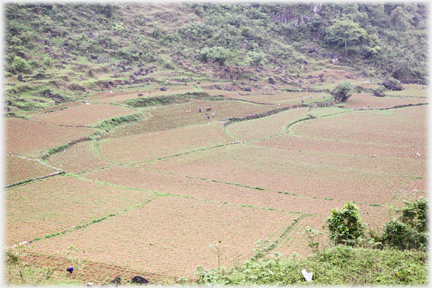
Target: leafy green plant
(254, 58)
(314, 235)
(218, 53)
(20, 64)
(410, 230)
(345, 226)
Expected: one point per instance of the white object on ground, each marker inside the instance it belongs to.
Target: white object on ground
(307, 276)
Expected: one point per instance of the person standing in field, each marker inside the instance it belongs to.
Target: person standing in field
(213, 114)
(200, 109)
(111, 92)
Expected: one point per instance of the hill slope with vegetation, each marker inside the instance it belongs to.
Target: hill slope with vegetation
(56, 52)
(193, 114)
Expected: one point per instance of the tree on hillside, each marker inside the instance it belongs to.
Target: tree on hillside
(219, 54)
(343, 32)
(340, 93)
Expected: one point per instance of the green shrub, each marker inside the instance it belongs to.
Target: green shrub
(20, 64)
(219, 54)
(345, 225)
(410, 230)
(254, 58)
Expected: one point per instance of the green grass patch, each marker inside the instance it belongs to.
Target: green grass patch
(340, 265)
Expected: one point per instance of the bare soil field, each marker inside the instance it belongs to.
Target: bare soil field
(323, 146)
(122, 96)
(56, 204)
(88, 271)
(178, 115)
(173, 234)
(405, 126)
(366, 100)
(284, 98)
(147, 147)
(151, 198)
(83, 115)
(240, 164)
(79, 158)
(25, 137)
(209, 190)
(360, 157)
(21, 169)
(410, 90)
(264, 127)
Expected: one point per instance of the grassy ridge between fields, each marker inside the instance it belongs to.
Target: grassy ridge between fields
(177, 98)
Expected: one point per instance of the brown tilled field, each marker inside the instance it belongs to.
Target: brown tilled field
(60, 203)
(398, 127)
(178, 115)
(366, 100)
(209, 190)
(21, 169)
(172, 235)
(80, 157)
(156, 145)
(155, 197)
(284, 171)
(83, 115)
(266, 126)
(284, 98)
(29, 138)
(122, 96)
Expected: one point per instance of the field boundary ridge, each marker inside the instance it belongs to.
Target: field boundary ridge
(261, 115)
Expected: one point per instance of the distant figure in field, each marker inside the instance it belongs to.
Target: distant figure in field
(213, 114)
(200, 109)
(70, 270)
(207, 116)
(302, 101)
(111, 91)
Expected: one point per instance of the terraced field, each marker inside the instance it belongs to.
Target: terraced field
(157, 145)
(281, 170)
(170, 187)
(21, 169)
(153, 230)
(365, 100)
(285, 98)
(265, 127)
(83, 115)
(29, 138)
(81, 157)
(62, 203)
(185, 114)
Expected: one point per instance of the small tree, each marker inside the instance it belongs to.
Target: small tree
(410, 230)
(345, 31)
(219, 54)
(340, 93)
(345, 225)
(20, 64)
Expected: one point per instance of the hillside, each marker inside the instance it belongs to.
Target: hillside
(62, 52)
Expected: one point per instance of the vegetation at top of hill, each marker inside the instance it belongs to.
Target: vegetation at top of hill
(61, 51)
